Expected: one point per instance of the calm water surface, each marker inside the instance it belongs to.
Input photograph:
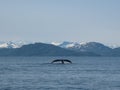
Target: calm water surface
(36, 73)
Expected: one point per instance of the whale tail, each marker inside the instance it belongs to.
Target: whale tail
(61, 60)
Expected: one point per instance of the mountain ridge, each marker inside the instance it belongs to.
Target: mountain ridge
(18, 44)
(94, 47)
(41, 49)
(58, 49)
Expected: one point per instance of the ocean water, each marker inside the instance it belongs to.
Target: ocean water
(37, 73)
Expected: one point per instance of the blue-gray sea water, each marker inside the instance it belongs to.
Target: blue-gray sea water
(37, 73)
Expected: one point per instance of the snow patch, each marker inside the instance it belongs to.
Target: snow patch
(55, 43)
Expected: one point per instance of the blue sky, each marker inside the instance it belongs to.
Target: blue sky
(60, 20)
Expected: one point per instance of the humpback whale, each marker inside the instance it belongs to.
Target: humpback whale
(63, 61)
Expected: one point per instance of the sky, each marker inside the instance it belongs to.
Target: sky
(60, 20)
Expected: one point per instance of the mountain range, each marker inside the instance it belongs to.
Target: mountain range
(57, 49)
(41, 49)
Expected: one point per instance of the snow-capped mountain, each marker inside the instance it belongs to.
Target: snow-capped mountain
(13, 44)
(94, 47)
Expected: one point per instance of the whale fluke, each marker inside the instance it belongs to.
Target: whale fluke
(61, 60)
